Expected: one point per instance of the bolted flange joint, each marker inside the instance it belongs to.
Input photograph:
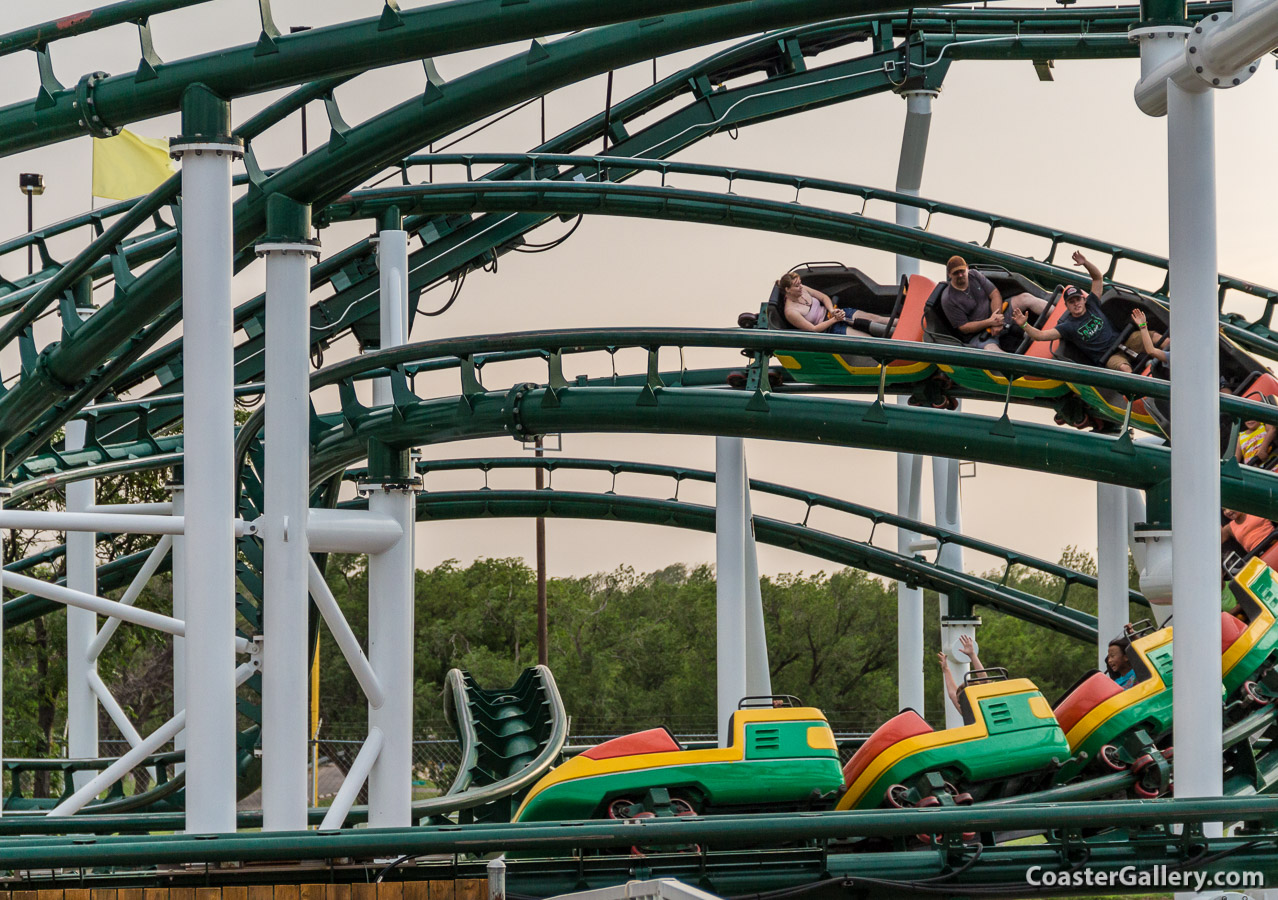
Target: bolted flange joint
(1200, 61)
(86, 107)
(512, 411)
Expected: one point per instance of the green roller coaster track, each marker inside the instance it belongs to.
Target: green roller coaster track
(799, 536)
(115, 349)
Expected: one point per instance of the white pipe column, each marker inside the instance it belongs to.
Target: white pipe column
(1111, 565)
(729, 544)
(1172, 59)
(391, 572)
(909, 466)
(1195, 454)
(758, 674)
(288, 249)
(4, 496)
(82, 624)
(947, 501)
(909, 600)
(178, 494)
(206, 149)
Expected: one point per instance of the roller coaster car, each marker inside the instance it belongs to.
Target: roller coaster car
(778, 758)
(938, 330)
(1110, 729)
(1010, 743)
(851, 289)
(1241, 375)
(1248, 659)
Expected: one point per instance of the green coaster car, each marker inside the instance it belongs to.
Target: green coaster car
(778, 759)
(1010, 743)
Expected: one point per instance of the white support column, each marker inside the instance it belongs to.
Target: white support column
(909, 466)
(391, 580)
(909, 600)
(178, 494)
(1111, 565)
(286, 487)
(729, 544)
(948, 514)
(1195, 454)
(206, 151)
(4, 496)
(82, 624)
(758, 673)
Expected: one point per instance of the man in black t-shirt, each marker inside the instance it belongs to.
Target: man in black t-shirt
(1085, 327)
(974, 307)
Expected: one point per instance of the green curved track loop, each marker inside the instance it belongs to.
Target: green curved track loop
(605, 197)
(108, 351)
(812, 540)
(446, 505)
(801, 90)
(509, 739)
(69, 371)
(810, 499)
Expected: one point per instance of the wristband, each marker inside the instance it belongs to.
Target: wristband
(1142, 325)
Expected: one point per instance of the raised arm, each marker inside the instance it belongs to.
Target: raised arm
(1098, 281)
(1138, 316)
(951, 689)
(1021, 318)
(968, 646)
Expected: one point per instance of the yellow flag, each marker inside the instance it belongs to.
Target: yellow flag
(128, 165)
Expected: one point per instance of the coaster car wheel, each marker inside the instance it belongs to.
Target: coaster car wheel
(1252, 691)
(625, 808)
(1111, 759)
(897, 796)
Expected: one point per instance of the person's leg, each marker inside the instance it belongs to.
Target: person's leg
(1028, 302)
(985, 342)
(1118, 362)
(868, 317)
(1134, 342)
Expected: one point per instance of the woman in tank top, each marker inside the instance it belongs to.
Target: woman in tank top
(807, 309)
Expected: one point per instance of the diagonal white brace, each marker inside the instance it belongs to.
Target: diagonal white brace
(354, 780)
(131, 760)
(149, 567)
(345, 638)
(113, 708)
(59, 594)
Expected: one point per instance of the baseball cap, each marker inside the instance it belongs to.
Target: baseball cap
(954, 262)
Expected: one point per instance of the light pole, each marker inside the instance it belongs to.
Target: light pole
(31, 184)
(294, 29)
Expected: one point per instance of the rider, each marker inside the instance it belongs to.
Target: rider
(968, 646)
(1085, 326)
(1117, 665)
(974, 307)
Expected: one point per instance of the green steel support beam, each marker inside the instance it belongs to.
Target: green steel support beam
(810, 499)
(125, 12)
(721, 832)
(291, 59)
(835, 548)
(447, 505)
(604, 197)
(69, 371)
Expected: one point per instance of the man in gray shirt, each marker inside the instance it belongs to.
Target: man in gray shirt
(974, 306)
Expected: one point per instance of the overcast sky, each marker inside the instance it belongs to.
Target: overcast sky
(1074, 153)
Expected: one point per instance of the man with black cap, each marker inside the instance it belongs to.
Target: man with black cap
(974, 306)
(1085, 327)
